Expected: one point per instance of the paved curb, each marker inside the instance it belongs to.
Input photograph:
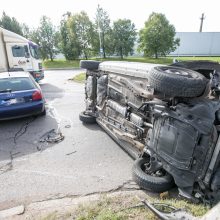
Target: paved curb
(18, 210)
(62, 205)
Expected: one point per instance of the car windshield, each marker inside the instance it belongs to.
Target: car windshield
(34, 49)
(16, 84)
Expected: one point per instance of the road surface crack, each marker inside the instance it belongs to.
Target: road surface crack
(23, 129)
(128, 185)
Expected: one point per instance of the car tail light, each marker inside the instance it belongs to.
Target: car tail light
(36, 95)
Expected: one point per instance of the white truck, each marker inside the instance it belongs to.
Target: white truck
(18, 53)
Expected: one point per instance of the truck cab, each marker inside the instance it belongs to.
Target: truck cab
(19, 53)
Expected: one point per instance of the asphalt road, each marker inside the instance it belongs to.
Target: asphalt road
(85, 162)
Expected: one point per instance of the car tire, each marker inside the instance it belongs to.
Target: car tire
(148, 182)
(177, 82)
(85, 118)
(89, 64)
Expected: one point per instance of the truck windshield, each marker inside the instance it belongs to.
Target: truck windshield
(34, 50)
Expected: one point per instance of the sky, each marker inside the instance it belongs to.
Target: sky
(184, 15)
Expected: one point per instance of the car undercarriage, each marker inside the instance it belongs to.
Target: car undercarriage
(165, 117)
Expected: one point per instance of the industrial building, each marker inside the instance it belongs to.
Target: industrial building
(198, 44)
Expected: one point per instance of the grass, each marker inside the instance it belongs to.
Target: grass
(116, 209)
(122, 208)
(61, 64)
(80, 78)
(162, 60)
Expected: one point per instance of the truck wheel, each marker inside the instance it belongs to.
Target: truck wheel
(177, 82)
(89, 64)
(156, 183)
(88, 119)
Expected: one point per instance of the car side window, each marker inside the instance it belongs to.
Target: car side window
(18, 51)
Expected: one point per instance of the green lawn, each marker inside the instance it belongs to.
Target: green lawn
(81, 77)
(163, 60)
(60, 64)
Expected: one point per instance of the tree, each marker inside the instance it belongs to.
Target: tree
(10, 24)
(124, 35)
(158, 36)
(81, 27)
(45, 37)
(77, 35)
(68, 44)
(102, 23)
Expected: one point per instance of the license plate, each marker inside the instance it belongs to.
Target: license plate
(15, 101)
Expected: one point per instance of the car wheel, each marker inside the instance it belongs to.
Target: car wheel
(177, 82)
(89, 64)
(154, 182)
(85, 118)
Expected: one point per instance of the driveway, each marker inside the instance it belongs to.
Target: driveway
(34, 168)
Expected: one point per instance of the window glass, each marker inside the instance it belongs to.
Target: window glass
(27, 54)
(34, 51)
(18, 51)
(16, 84)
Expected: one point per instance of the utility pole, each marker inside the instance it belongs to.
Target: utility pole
(201, 24)
(100, 38)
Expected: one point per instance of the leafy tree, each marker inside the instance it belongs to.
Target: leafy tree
(124, 36)
(77, 36)
(102, 23)
(45, 37)
(158, 36)
(10, 24)
(82, 29)
(68, 44)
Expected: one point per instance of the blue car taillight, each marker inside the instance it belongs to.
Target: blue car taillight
(36, 96)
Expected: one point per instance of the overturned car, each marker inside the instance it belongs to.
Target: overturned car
(166, 117)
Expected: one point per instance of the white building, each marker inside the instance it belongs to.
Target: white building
(198, 44)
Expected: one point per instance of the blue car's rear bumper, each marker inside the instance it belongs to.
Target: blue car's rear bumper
(21, 110)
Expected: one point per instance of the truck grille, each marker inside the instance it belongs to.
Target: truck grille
(40, 65)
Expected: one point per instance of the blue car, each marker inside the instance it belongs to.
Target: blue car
(20, 96)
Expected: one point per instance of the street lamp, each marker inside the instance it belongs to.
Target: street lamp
(100, 38)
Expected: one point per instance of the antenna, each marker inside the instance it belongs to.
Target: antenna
(201, 24)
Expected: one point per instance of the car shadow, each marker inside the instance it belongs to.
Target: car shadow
(51, 92)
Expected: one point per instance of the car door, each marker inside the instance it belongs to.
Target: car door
(19, 56)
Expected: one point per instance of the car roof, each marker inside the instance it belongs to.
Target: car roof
(18, 74)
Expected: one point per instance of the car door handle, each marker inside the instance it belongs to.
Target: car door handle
(27, 61)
